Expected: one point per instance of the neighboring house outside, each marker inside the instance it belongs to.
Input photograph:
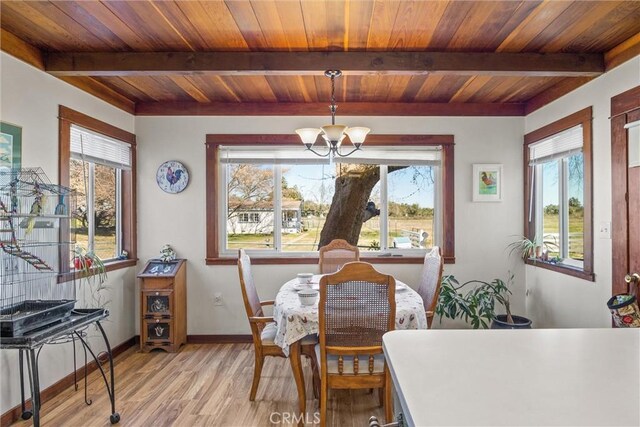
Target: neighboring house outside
(249, 217)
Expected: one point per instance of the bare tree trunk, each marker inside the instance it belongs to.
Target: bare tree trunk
(346, 214)
(347, 211)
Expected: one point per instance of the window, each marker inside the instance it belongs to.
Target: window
(249, 217)
(98, 162)
(95, 172)
(390, 198)
(558, 203)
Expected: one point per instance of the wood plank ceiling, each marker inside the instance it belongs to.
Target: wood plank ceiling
(66, 34)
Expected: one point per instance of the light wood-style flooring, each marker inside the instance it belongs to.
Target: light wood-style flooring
(202, 385)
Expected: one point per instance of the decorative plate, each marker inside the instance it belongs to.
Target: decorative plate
(172, 177)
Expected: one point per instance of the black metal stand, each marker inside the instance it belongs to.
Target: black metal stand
(31, 344)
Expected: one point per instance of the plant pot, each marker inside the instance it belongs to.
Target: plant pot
(500, 322)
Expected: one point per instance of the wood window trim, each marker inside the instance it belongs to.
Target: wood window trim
(583, 117)
(213, 142)
(67, 117)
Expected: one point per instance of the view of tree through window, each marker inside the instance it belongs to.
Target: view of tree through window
(250, 206)
(306, 194)
(79, 181)
(317, 201)
(104, 202)
(104, 219)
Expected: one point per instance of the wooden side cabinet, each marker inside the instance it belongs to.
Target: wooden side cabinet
(163, 305)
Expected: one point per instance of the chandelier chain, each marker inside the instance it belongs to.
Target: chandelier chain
(333, 106)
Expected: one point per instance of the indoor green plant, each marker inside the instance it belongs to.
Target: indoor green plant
(529, 249)
(93, 270)
(89, 264)
(525, 247)
(478, 305)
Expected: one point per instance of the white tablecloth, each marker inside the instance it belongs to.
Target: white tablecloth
(295, 321)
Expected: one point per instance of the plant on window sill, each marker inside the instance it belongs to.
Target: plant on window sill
(536, 249)
(94, 273)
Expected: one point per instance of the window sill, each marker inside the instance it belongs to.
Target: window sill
(109, 266)
(120, 263)
(314, 260)
(562, 268)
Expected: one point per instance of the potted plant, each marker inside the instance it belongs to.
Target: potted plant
(526, 248)
(533, 249)
(89, 264)
(93, 270)
(477, 306)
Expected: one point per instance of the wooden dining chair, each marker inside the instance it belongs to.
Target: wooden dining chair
(430, 279)
(337, 253)
(263, 328)
(357, 306)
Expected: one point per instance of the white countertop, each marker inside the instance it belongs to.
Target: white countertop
(535, 377)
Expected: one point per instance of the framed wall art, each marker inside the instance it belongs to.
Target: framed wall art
(487, 183)
(10, 146)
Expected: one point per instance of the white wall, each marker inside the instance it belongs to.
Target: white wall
(483, 230)
(558, 300)
(29, 98)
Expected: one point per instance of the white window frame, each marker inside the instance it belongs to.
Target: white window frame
(91, 218)
(386, 248)
(563, 208)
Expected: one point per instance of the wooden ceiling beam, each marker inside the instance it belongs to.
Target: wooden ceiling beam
(321, 109)
(315, 63)
(620, 54)
(22, 50)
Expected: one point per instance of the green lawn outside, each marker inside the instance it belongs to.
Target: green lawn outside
(576, 234)
(104, 246)
(308, 240)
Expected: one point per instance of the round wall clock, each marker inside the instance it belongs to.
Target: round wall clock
(172, 177)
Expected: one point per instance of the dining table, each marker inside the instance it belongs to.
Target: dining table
(295, 321)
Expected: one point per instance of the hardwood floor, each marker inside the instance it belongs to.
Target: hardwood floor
(202, 385)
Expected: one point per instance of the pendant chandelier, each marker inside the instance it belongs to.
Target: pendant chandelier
(333, 134)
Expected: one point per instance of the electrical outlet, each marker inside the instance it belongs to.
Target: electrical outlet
(605, 230)
(217, 299)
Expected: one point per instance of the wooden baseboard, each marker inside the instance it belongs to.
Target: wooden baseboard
(14, 413)
(219, 339)
(212, 339)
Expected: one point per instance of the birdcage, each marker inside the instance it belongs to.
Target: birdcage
(37, 287)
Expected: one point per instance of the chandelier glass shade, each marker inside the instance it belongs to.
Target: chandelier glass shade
(333, 134)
